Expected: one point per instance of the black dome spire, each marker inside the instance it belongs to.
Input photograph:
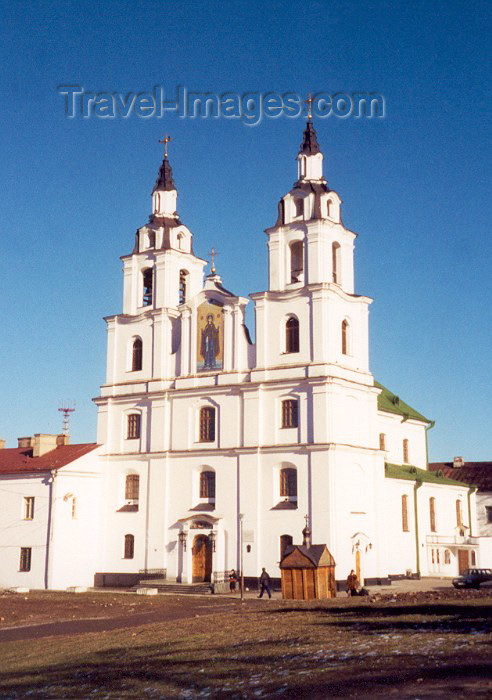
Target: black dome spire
(309, 145)
(165, 177)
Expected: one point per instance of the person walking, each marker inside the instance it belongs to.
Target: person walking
(265, 583)
(352, 583)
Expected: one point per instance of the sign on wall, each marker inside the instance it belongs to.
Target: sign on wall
(210, 340)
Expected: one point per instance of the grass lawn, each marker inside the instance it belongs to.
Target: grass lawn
(263, 648)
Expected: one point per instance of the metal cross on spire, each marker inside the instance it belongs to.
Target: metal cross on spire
(306, 518)
(213, 253)
(165, 141)
(309, 103)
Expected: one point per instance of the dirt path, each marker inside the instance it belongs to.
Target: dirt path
(194, 608)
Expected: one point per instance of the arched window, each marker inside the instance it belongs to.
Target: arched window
(345, 337)
(129, 546)
(406, 452)
(382, 441)
(328, 207)
(285, 541)
(290, 413)
(432, 514)
(148, 285)
(296, 261)
(335, 262)
(207, 485)
(180, 241)
(133, 426)
(459, 514)
(137, 355)
(132, 485)
(292, 335)
(207, 424)
(303, 166)
(447, 556)
(288, 483)
(183, 284)
(404, 513)
(473, 559)
(299, 207)
(157, 202)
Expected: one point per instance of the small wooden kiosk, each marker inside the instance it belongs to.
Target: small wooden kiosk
(308, 571)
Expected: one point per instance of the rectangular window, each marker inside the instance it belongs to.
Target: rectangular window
(129, 547)
(488, 514)
(74, 508)
(405, 452)
(28, 507)
(25, 559)
(207, 485)
(288, 483)
(132, 487)
(459, 514)
(207, 424)
(404, 513)
(382, 441)
(432, 514)
(133, 426)
(290, 413)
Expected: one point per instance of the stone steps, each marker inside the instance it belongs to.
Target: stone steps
(177, 588)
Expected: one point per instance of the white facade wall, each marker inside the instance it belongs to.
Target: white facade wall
(396, 431)
(17, 532)
(484, 500)
(62, 535)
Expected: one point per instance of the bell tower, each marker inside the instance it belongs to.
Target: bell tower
(311, 276)
(162, 271)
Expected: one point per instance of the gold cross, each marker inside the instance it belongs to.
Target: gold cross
(165, 141)
(213, 253)
(309, 103)
(306, 518)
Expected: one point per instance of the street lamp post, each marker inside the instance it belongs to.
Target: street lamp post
(241, 516)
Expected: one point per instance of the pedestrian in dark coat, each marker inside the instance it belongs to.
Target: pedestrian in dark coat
(232, 581)
(352, 583)
(265, 584)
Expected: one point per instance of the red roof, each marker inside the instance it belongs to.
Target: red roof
(473, 473)
(17, 460)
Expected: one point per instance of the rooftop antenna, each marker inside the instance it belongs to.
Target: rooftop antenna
(66, 409)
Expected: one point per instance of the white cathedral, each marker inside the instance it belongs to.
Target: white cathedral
(212, 451)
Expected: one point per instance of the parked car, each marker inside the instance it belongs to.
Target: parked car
(472, 578)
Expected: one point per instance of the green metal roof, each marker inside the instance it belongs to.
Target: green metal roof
(391, 403)
(406, 471)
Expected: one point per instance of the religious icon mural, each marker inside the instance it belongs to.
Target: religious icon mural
(210, 340)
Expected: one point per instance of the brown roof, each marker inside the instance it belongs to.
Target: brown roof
(473, 473)
(17, 460)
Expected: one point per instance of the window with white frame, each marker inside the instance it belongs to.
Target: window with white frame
(290, 413)
(133, 426)
(132, 487)
(292, 335)
(288, 483)
(207, 485)
(129, 547)
(137, 354)
(28, 507)
(296, 261)
(25, 559)
(206, 424)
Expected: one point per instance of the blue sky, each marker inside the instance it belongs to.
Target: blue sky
(415, 185)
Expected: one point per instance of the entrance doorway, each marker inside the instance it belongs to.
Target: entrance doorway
(463, 562)
(201, 559)
(357, 566)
